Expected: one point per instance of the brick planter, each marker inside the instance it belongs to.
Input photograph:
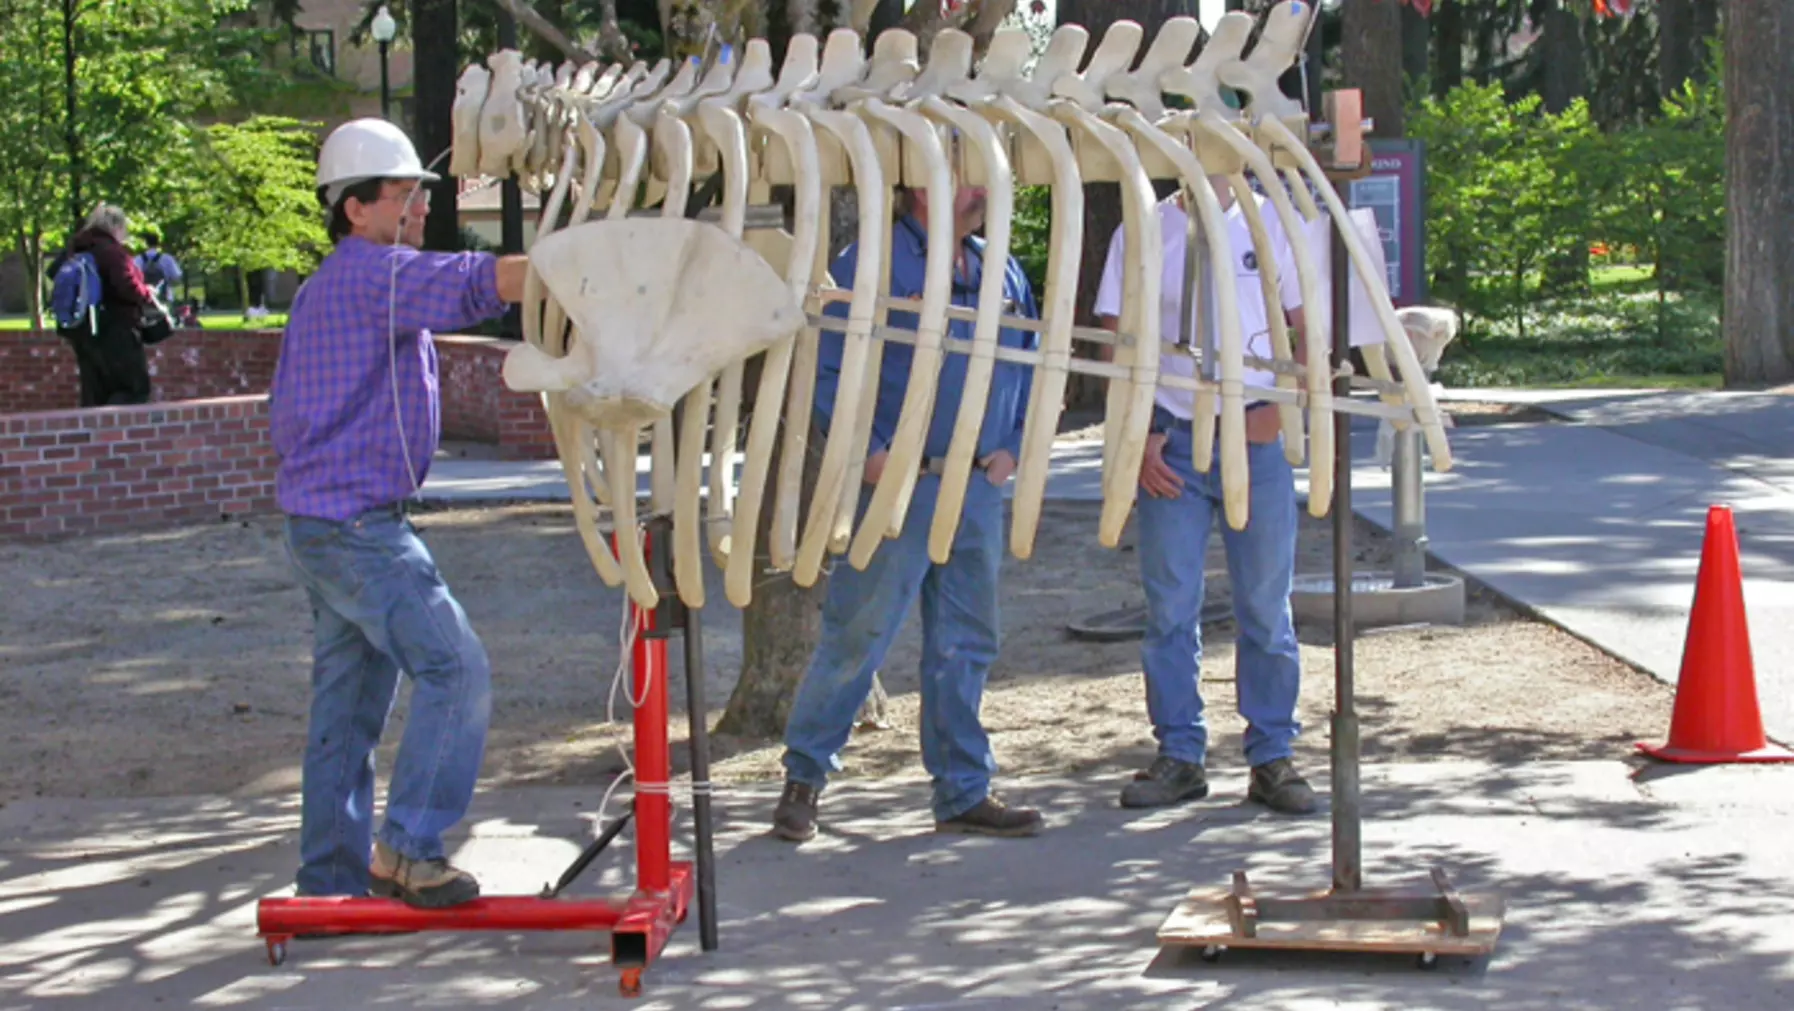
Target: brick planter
(37, 373)
(108, 469)
(202, 449)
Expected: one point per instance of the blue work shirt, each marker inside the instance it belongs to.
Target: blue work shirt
(1007, 409)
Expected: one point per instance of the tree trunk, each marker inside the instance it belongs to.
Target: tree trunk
(1706, 25)
(1417, 45)
(780, 626)
(1759, 94)
(433, 34)
(1448, 48)
(1102, 201)
(71, 16)
(779, 629)
(1562, 81)
(1371, 52)
(1684, 26)
(31, 253)
(243, 288)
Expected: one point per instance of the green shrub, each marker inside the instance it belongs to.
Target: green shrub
(1506, 189)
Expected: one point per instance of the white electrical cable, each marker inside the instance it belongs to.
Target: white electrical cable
(392, 324)
(627, 631)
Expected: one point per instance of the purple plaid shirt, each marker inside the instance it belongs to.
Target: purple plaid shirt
(331, 409)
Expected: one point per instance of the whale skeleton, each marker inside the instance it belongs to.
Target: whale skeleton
(634, 308)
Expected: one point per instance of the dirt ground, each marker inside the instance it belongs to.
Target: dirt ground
(178, 663)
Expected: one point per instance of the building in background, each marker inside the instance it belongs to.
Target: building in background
(324, 28)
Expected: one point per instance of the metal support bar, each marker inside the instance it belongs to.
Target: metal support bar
(1248, 912)
(1410, 509)
(1348, 868)
(758, 217)
(691, 626)
(589, 854)
(672, 616)
(1109, 370)
(1093, 335)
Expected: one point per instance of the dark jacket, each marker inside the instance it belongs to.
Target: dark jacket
(125, 296)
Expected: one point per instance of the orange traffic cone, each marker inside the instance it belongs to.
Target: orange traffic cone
(1716, 717)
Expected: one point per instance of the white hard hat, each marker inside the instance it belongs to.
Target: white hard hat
(367, 149)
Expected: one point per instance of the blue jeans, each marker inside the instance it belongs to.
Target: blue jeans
(379, 606)
(960, 628)
(1261, 561)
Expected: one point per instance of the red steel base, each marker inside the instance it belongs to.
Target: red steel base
(639, 925)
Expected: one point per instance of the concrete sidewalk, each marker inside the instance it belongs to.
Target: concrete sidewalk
(1669, 893)
(1597, 520)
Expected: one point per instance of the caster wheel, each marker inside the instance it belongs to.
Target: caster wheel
(630, 983)
(1212, 953)
(1428, 961)
(277, 952)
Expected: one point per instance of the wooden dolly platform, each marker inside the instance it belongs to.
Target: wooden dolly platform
(1363, 920)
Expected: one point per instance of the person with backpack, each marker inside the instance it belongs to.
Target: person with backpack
(102, 307)
(160, 271)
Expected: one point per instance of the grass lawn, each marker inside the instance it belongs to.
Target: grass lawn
(212, 321)
(1616, 336)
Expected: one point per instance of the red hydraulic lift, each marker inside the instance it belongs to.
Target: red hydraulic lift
(639, 924)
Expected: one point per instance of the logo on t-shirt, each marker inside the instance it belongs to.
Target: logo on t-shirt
(1250, 260)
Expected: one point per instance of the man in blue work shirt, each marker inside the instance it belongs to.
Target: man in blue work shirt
(865, 609)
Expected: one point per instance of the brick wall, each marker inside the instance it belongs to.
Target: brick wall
(479, 407)
(124, 468)
(37, 368)
(37, 373)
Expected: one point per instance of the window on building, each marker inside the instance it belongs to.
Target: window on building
(319, 46)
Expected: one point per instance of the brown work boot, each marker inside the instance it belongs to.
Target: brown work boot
(1278, 786)
(795, 817)
(1166, 781)
(427, 884)
(991, 816)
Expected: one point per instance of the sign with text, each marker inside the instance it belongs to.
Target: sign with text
(1395, 191)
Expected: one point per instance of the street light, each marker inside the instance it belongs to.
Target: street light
(384, 28)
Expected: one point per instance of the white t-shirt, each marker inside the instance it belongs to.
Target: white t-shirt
(1250, 295)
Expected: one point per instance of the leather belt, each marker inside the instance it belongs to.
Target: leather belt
(937, 465)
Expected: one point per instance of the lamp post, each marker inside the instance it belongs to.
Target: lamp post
(384, 28)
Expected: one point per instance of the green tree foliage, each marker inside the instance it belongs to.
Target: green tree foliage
(1510, 186)
(142, 70)
(32, 165)
(1664, 188)
(248, 200)
(1506, 190)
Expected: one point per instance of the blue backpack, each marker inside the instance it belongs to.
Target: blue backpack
(75, 291)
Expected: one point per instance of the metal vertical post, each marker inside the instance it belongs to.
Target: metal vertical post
(693, 632)
(385, 83)
(1348, 866)
(1410, 509)
(510, 216)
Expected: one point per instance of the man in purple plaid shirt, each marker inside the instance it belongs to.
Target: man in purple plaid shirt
(355, 420)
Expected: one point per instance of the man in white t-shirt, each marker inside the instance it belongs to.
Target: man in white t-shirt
(1178, 507)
